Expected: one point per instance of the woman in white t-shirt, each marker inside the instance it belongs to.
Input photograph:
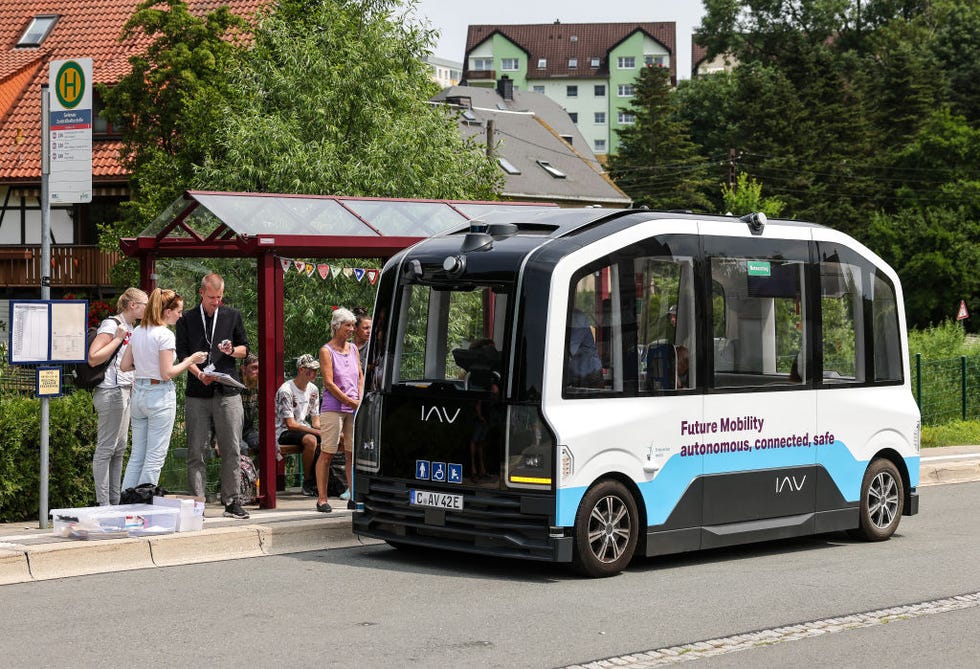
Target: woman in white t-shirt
(151, 354)
(112, 397)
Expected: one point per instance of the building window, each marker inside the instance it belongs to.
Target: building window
(626, 90)
(625, 118)
(626, 62)
(510, 64)
(595, 62)
(600, 146)
(542, 63)
(600, 118)
(571, 91)
(573, 116)
(551, 169)
(483, 64)
(600, 90)
(537, 89)
(573, 38)
(659, 61)
(572, 63)
(38, 30)
(507, 166)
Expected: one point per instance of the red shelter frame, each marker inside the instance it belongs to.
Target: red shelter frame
(209, 224)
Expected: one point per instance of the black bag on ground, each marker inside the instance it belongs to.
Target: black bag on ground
(337, 477)
(89, 377)
(141, 494)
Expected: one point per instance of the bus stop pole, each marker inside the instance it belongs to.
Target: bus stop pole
(45, 291)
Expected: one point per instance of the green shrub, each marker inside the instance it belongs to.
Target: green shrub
(72, 436)
(946, 340)
(956, 433)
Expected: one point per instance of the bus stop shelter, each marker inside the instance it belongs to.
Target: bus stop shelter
(266, 226)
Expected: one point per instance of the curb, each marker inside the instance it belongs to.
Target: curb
(41, 562)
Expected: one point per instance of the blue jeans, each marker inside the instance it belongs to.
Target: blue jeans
(154, 408)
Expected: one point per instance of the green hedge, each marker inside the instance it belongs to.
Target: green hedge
(73, 426)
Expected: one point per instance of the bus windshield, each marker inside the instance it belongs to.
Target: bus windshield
(450, 335)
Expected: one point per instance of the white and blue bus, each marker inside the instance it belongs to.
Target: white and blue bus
(588, 385)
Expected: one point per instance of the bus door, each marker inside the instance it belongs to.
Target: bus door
(623, 376)
(760, 410)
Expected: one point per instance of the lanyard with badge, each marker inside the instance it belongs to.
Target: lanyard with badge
(209, 339)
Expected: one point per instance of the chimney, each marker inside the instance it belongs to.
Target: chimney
(505, 88)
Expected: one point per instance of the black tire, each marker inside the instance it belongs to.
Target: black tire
(606, 530)
(882, 501)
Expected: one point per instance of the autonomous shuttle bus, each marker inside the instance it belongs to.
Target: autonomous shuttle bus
(588, 385)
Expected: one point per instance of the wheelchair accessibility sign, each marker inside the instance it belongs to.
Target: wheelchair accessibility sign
(440, 472)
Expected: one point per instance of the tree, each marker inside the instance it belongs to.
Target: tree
(657, 164)
(333, 99)
(745, 196)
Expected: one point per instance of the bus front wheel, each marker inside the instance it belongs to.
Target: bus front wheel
(606, 530)
(882, 499)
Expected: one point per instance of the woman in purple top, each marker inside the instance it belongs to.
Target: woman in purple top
(343, 387)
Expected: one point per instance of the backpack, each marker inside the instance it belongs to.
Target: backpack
(246, 480)
(89, 377)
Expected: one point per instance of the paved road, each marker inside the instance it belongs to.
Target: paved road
(373, 606)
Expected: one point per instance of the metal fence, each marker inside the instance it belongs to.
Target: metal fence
(947, 390)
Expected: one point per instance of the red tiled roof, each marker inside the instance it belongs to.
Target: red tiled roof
(85, 29)
(554, 42)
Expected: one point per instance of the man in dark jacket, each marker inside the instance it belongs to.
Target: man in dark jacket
(219, 330)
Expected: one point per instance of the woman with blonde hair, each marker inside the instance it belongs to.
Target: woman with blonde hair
(112, 397)
(151, 355)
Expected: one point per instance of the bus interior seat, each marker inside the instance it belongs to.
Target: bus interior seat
(661, 364)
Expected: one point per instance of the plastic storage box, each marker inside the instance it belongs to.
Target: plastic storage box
(191, 511)
(109, 522)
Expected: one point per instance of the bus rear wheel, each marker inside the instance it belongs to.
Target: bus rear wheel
(606, 530)
(882, 501)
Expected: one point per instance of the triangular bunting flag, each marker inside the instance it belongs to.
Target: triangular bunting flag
(358, 273)
(286, 264)
(962, 314)
(334, 271)
(348, 272)
(300, 265)
(372, 275)
(309, 269)
(324, 270)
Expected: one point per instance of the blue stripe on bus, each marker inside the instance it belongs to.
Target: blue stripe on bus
(664, 492)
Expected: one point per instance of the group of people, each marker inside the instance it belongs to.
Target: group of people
(207, 342)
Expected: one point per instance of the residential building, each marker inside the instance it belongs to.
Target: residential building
(445, 72)
(701, 64)
(589, 69)
(541, 153)
(32, 34)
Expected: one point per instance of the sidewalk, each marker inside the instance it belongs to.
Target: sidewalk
(31, 554)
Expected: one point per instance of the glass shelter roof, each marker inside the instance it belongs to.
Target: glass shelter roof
(244, 224)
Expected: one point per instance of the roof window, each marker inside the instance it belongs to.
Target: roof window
(507, 166)
(38, 30)
(551, 169)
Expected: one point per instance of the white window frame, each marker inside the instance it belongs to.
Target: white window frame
(537, 89)
(595, 62)
(626, 63)
(38, 30)
(482, 64)
(595, 90)
(600, 145)
(572, 63)
(542, 63)
(599, 118)
(625, 90)
(510, 64)
(626, 118)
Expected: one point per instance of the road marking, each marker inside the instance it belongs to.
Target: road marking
(712, 647)
(933, 458)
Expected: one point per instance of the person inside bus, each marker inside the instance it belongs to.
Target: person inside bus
(584, 369)
(683, 365)
(486, 412)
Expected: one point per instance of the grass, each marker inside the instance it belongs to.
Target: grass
(957, 433)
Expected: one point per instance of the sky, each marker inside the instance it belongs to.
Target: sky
(451, 17)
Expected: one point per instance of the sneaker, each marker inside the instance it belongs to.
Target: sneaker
(324, 508)
(234, 510)
(309, 488)
(345, 495)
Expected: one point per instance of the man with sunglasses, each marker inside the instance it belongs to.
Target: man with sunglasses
(217, 329)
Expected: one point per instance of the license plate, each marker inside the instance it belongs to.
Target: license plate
(438, 499)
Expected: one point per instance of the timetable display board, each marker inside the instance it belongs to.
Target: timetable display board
(44, 332)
